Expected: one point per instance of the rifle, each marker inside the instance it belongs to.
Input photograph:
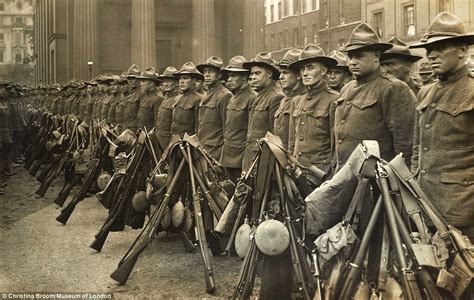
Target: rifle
(200, 233)
(127, 263)
(116, 218)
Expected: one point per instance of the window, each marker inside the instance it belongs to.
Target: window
(444, 5)
(342, 20)
(286, 6)
(272, 7)
(303, 3)
(2, 8)
(409, 19)
(305, 35)
(279, 11)
(296, 37)
(285, 39)
(18, 21)
(1, 56)
(272, 41)
(296, 7)
(315, 33)
(377, 22)
(18, 56)
(17, 38)
(280, 40)
(325, 14)
(2, 38)
(315, 4)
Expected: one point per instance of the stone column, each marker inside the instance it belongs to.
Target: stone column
(204, 32)
(254, 28)
(143, 33)
(86, 38)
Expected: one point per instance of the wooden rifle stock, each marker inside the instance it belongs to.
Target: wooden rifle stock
(62, 196)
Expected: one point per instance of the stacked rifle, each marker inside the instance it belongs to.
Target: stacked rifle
(391, 242)
(193, 178)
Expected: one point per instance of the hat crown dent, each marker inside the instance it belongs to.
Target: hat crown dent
(311, 50)
(340, 57)
(169, 71)
(446, 23)
(236, 62)
(291, 56)
(149, 73)
(363, 34)
(134, 70)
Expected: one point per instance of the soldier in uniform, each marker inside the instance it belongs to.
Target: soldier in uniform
(150, 101)
(290, 82)
(425, 73)
(237, 116)
(5, 136)
(133, 100)
(115, 91)
(372, 106)
(123, 95)
(263, 74)
(212, 108)
(110, 90)
(311, 124)
(443, 148)
(339, 75)
(164, 115)
(397, 61)
(185, 113)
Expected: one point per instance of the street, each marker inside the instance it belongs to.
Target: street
(38, 254)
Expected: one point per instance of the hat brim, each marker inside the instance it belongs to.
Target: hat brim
(148, 78)
(195, 75)
(371, 47)
(468, 39)
(239, 70)
(163, 77)
(326, 61)
(410, 58)
(201, 67)
(276, 73)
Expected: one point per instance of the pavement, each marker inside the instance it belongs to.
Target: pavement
(38, 254)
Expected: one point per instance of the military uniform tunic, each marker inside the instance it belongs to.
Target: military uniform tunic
(281, 127)
(5, 122)
(120, 109)
(261, 120)
(131, 109)
(212, 115)
(310, 126)
(106, 106)
(185, 113)
(164, 118)
(443, 148)
(376, 107)
(235, 129)
(148, 109)
(111, 113)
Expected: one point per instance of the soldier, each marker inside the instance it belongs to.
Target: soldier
(311, 124)
(372, 106)
(262, 113)
(290, 81)
(133, 100)
(150, 101)
(5, 136)
(123, 95)
(165, 110)
(115, 91)
(91, 89)
(397, 61)
(425, 73)
(339, 75)
(237, 116)
(212, 108)
(110, 91)
(186, 107)
(443, 147)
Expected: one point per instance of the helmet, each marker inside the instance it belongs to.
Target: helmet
(166, 219)
(102, 180)
(242, 239)
(177, 214)
(272, 237)
(188, 220)
(140, 202)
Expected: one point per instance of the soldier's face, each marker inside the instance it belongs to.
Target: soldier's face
(425, 78)
(211, 76)
(288, 79)
(186, 83)
(396, 66)
(147, 85)
(260, 77)
(335, 78)
(89, 89)
(169, 85)
(445, 58)
(235, 81)
(133, 82)
(312, 73)
(362, 63)
(114, 88)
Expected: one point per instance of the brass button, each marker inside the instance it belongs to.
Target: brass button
(423, 172)
(427, 126)
(433, 105)
(425, 149)
(301, 138)
(339, 141)
(300, 153)
(302, 123)
(348, 103)
(343, 121)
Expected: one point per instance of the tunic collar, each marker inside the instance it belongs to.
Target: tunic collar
(300, 90)
(445, 79)
(317, 88)
(369, 77)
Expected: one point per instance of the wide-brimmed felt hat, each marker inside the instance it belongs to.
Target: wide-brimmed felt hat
(399, 50)
(236, 64)
(212, 62)
(133, 71)
(105, 78)
(149, 74)
(364, 38)
(122, 78)
(189, 69)
(445, 27)
(168, 73)
(264, 59)
(340, 57)
(291, 56)
(313, 53)
(425, 68)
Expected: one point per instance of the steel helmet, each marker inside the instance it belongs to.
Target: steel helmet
(139, 202)
(272, 237)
